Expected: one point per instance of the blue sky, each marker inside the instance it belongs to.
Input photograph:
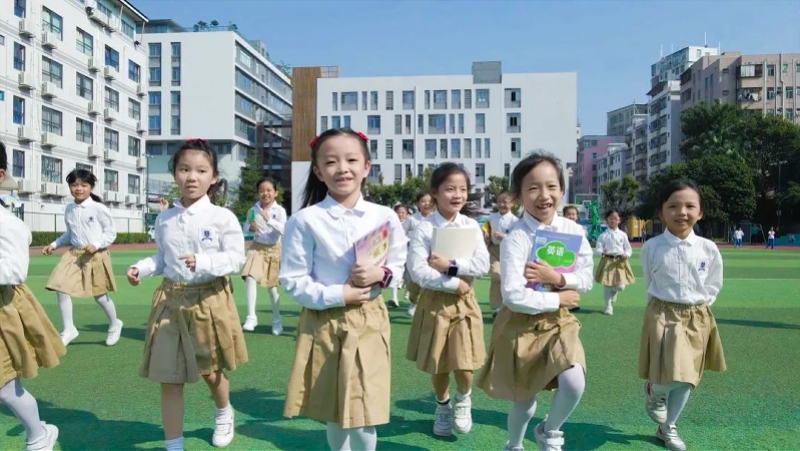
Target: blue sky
(610, 44)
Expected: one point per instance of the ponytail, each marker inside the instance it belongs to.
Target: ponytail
(96, 198)
(315, 190)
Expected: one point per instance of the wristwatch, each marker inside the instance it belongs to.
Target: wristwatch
(387, 277)
(452, 271)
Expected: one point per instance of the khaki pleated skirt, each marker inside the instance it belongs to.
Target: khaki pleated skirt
(83, 275)
(28, 340)
(528, 352)
(193, 330)
(341, 371)
(263, 264)
(613, 271)
(446, 333)
(413, 291)
(495, 295)
(679, 342)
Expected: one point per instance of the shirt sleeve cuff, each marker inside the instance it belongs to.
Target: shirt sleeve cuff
(452, 284)
(202, 263)
(333, 296)
(54, 244)
(552, 302)
(572, 282)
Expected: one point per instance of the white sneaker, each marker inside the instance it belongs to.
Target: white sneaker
(609, 310)
(462, 422)
(277, 327)
(513, 448)
(443, 421)
(656, 404)
(46, 443)
(114, 332)
(223, 429)
(68, 335)
(393, 303)
(412, 310)
(548, 440)
(250, 324)
(671, 438)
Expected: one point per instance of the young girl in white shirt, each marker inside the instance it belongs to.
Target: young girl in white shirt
(341, 370)
(266, 219)
(535, 342)
(499, 224)
(194, 328)
(614, 271)
(28, 339)
(85, 270)
(680, 339)
(425, 208)
(409, 223)
(447, 330)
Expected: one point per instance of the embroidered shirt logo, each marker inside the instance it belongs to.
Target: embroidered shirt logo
(702, 266)
(91, 219)
(206, 236)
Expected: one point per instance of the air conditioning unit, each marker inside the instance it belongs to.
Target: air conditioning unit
(111, 196)
(139, 90)
(109, 72)
(62, 190)
(93, 65)
(140, 163)
(26, 29)
(50, 189)
(109, 114)
(94, 151)
(49, 90)
(25, 81)
(93, 108)
(96, 16)
(25, 133)
(49, 41)
(111, 155)
(49, 139)
(131, 199)
(139, 200)
(139, 127)
(26, 186)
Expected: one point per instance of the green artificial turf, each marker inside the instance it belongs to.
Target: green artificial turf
(99, 402)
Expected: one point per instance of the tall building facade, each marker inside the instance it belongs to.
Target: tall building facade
(486, 121)
(618, 120)
(591, 151)
(636, 138)
(210, 82)
(71, 96)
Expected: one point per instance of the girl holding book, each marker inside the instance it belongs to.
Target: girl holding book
(424, 211)
(341, 369)
(447, 330)
(614, 271)
(535, 344)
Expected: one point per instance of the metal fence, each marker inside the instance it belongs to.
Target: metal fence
(54, 222)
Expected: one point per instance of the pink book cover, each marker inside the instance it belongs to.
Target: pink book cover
(373, 248)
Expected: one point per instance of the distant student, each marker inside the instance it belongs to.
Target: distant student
(738, 237)
(614, 271)
(266, 219)
(409, 223)
(342, 365)
(28, 339)
(500, 223)
(85, 270)
(771, 238)
(447, 330)
(571, 212)
(680, 339)
(425, 208)
(535, 342)
(194, 327)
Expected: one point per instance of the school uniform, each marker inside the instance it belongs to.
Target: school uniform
(447, 329)
(533, 338)
(614, 269)
(341, 370)
(194, 326)
(263, 260)
(412, 287)
(503, 224)
(680, 338)
(79, 273)
(408, 228)
(28, 340)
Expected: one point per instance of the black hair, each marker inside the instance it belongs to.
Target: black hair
(399, 206)
(611, 212)
(316, 189)
(3, 157)
(85, 176)
(267, 179)
(423, 194)
(679, 185)
(199, 145)
(570, 207)
(442, 173)
(527, 164)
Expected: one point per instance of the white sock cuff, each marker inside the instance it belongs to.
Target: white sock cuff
(175, 444)
(225, 411)
(464, 396)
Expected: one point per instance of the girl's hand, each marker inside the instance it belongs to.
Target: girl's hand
(48, 250)
(265, 215)
(133, 276)
(254, 227)
(366, 275)
(568, 298)
(499, 235)
(439, 263)
(163, 204)
(190, 260)
(356, 295)
(541, 272)
(90, 249)
(463, 288)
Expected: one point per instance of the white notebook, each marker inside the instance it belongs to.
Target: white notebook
(454, 242)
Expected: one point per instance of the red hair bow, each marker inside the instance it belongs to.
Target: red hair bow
(362, 136)
(314, 141)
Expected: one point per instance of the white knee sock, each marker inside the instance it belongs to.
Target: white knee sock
(65, 307)
(108, 306)
(609, 295)
(676, 401)
(250, 291)
(394, 294)
(571, 384)
(24, 406)
(521, 414)
(175, 444)
(365, 438)
(276, 303)
(619, 288)
(338, 438)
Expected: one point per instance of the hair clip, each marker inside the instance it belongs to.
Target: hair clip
(362, 136)
(314, 141)
(196, 141)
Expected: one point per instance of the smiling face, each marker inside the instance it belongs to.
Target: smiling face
(505, 202)
(266, 193)
(342, 166)
(194, 175)
(613, 221)
(541, 192)
(681, 212)
(572, 214)
(402, 213)
(425, 205)
(451, 196)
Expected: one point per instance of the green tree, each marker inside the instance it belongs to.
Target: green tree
(496, 186)
(714, 130)
(725, 176)
(648, 207)
(396, 193)
(621, 196)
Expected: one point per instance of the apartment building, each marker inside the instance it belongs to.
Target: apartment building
(618, 120)
(592, 150)
(71, 96)
(615, 164)
(636, 138)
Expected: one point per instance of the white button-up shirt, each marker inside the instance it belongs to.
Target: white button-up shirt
(420, 250)
(15, 240)
(88, 222)
(515, 253)
(271, 231)
(501, 223)
(409, 225)
(614, 242)
(682, 271)
(318, 254)
(210, 232)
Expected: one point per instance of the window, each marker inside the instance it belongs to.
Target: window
(408, 149)
(408, 100)
(374, 174)
(134, 109)
(420, 124)
(374, 125)
(487, 149)
(440, 99)
(134, 146)
(389, 149)
(468, 148)
(398, 173)
(408, 124)
(436, 124)
(785, 68)
(155, 64)
(85, 43)
(104, 9)
(467, 99)
(336, 122)
(52, 72)
(154, 113)
(364, 100)
(430, 149)
(443, 149)
(455, 148)
(461, 123)
(770, 70)
(83, 131)
(373, 100)
(111, 180)
(134, 71)
(112, 99)
(480, 172)
(52, 23)
(506, 170)
(19, 8)
(19, 56)
(51, 120)
(770, 93)
(323, 124)
(349, 101)
(789, 92)
(514, 121)
(176, 64)
(175, 112)
(427, 100)
(455, 99)
(19, 110)
(133, 184)
(481, 98)
(112, 58)
(51, 170)
(480, 123)
(334, 102)
(128, 28)
(478, 148)
(84, 87)
(18, 164)
(346, 121)
(513, 98)
(373, 149)
(2, 40)
(154, 148)
(111, 140)
(452, 122)
(389, 100)
(516, 147)
(398, 124)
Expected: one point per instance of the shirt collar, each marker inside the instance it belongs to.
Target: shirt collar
(675, 241)
(439, 221)
(86, 203)
(196, 207)
(337, 210)
(535, 225)
(258, 207)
